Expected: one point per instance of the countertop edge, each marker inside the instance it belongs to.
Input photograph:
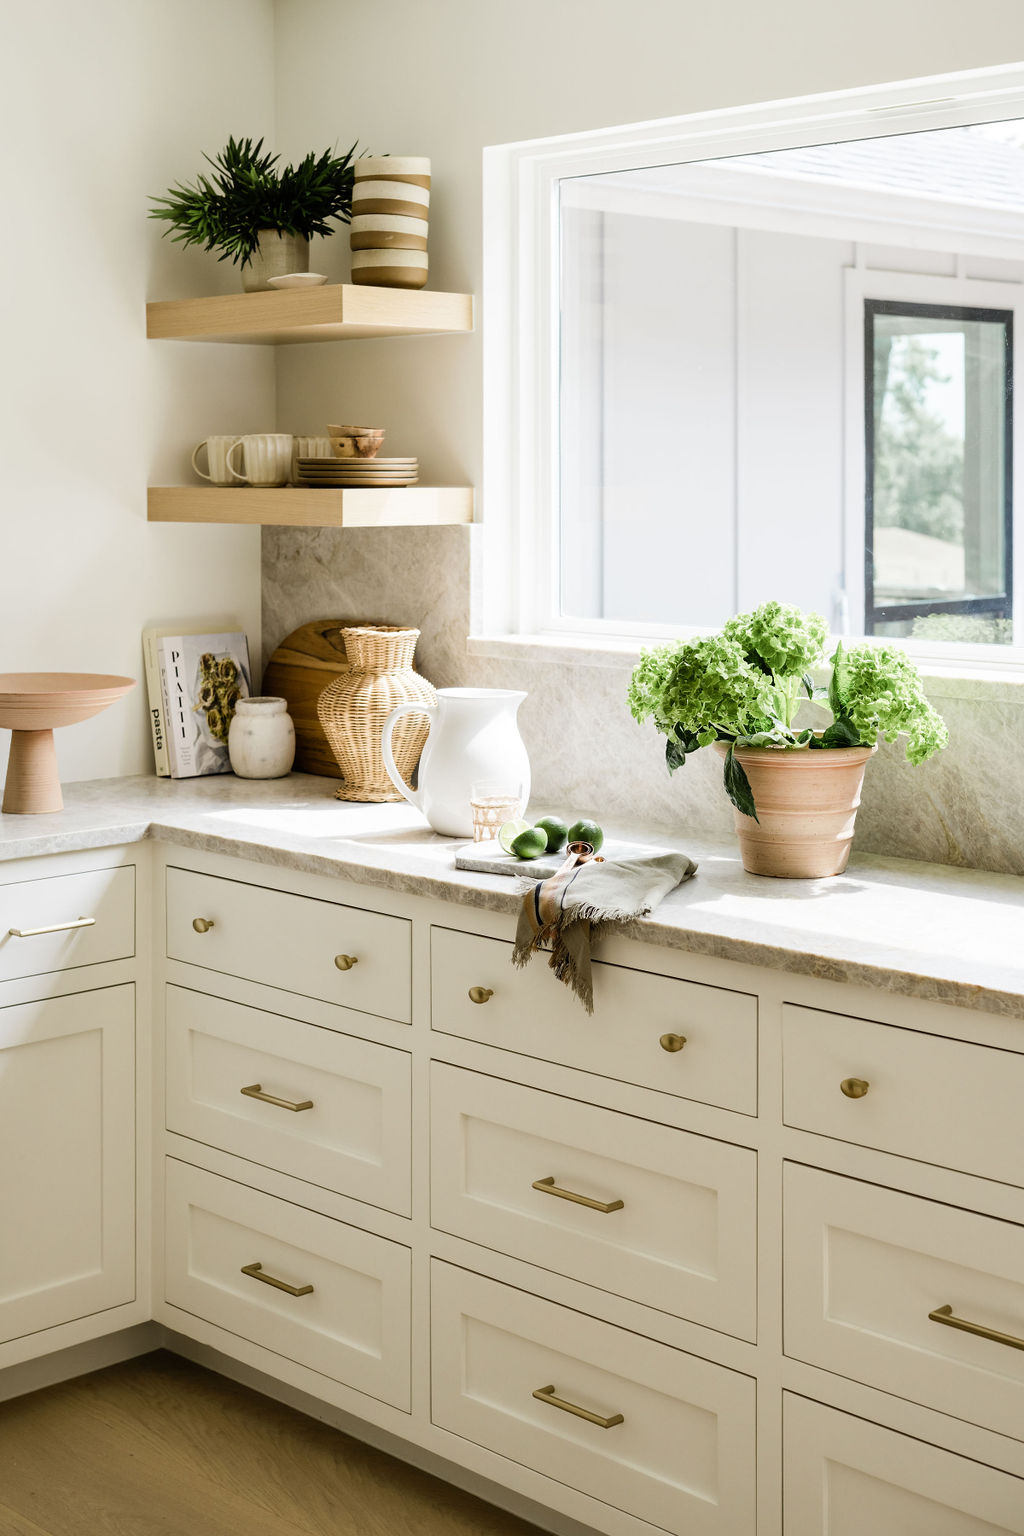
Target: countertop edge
(667, 927)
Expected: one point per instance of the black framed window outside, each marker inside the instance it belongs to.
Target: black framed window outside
(938, 497)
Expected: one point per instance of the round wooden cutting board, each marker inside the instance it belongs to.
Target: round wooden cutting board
(299, 670)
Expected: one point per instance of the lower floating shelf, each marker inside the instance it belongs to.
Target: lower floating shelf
(288, 506)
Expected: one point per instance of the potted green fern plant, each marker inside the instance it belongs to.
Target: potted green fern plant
(794, 790)
(257, 215)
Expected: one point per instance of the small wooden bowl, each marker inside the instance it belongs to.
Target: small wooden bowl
(356, 445)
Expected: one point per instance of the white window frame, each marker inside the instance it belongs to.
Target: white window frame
(515, 588)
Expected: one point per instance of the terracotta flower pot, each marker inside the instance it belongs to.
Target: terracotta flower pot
(806, 806)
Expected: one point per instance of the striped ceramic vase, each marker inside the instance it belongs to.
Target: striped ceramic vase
(390, 212)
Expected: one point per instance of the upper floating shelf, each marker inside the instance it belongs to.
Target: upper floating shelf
(334, 312)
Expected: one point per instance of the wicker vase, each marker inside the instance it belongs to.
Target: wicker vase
(354, 707)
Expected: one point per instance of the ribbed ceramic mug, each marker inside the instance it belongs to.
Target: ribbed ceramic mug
(267, 457)
(309, 448)
(217, 450)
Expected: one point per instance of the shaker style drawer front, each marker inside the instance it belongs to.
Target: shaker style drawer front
(922, 1096)
(844, 1476)
(322, 1106)
(320, 949)
(324, 1294)
(66, 920)
(881, 1287)
(67, 1158)
(682, 1038)
(648, 1212)
(659, 1434)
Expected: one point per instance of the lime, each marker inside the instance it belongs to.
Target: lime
(555, 830)
(530, 844)
(510, 831)
(587, 832)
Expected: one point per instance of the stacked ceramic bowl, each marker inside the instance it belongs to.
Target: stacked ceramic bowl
(390, 212)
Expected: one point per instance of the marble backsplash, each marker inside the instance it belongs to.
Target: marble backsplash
(964, 808)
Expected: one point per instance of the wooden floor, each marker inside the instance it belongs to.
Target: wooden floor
(160, 1447)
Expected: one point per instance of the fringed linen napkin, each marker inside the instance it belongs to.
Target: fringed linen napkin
(586, 899)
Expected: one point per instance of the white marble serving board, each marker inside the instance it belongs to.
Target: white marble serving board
(491, 859)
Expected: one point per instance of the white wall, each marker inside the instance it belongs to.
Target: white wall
(104, 104)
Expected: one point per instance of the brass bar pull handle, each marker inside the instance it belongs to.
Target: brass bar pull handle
(854, 1087)
(346, 962)
(202, 924)
(255, 1091)
(945, 1315)
(672, 1042)
(32, 933)
(256, 1272)
(549, 1187)
(547, 1395)
(480, 994)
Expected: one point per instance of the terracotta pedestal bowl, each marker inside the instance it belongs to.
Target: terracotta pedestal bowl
(33, 705)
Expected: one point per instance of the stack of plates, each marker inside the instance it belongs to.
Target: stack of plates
(358, 472)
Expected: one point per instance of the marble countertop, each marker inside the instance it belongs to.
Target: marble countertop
(924, 930)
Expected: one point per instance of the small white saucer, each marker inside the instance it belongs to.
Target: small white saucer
(298, 280)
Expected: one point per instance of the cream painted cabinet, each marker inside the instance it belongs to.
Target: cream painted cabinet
(650, 1212)
(741, 1254)
(646, 1429)
(847, 1477)
(67, 1158)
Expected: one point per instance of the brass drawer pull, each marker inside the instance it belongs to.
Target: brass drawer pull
(33, 933)
(945, 1316)
(549, 1187)
(255, 1091)
(672, 1042)
(346, 962)
(547, 1395)
(854, 1087)
(256, 1272)
(480, 994)
(202, 924)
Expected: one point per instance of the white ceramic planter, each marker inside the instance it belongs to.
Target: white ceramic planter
(276, 255)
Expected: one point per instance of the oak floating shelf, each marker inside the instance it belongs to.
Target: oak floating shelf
(298, 507)
(334, 312)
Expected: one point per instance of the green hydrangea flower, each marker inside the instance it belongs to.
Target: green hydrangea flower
(788, 640)
(705, 688)
(881, 694)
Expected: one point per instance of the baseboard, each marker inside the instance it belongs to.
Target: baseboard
(79, 1360)
(381, 1440)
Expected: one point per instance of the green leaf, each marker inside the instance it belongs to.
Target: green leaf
(808, 683)
(737, 786)
(755, 659)
(837, 684)
(841, 733)
(675, 754)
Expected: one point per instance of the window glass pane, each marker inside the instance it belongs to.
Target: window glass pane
(712, 317)
(938, 492)
(647, 527)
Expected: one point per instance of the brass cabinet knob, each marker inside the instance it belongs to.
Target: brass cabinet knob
(480, 994)
(346, 962)
(202, 924)
(672, 1042)
(854, 1087)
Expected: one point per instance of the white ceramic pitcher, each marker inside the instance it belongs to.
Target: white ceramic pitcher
(473, 737)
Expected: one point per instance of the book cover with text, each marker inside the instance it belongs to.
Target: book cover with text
(202, 679)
